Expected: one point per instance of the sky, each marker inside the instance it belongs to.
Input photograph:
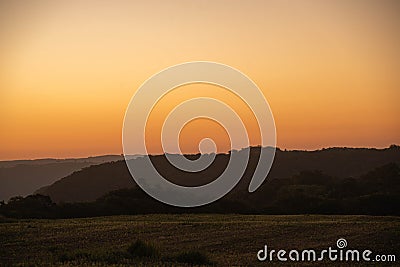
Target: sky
(68, 69)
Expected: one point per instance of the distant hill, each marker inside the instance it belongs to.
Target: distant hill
(95, 181)
(89, 183)
(23, 177)
(376, 192)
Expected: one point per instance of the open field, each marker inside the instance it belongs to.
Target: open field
(183, 240)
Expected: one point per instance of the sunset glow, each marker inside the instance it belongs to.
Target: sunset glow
(329, 70)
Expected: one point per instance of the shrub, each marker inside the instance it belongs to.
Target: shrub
(141, 249)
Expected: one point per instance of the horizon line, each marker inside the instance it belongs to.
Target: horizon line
(227, 152)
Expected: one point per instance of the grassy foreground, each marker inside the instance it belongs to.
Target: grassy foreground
(185, 240)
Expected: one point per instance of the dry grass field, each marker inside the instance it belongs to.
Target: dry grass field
(188, 239)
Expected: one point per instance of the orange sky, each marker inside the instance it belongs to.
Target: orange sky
(329, 69)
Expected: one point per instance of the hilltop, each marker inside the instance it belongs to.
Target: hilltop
(93, 182)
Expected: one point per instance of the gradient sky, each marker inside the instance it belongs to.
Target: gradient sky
(329, 69)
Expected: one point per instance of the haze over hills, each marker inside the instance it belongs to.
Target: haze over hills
(23, 177)
(95, 181)
(44, 161)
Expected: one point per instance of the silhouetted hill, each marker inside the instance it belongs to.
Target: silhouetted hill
(89, 183)
(23, 177)
(376, 192)
(335, 163)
